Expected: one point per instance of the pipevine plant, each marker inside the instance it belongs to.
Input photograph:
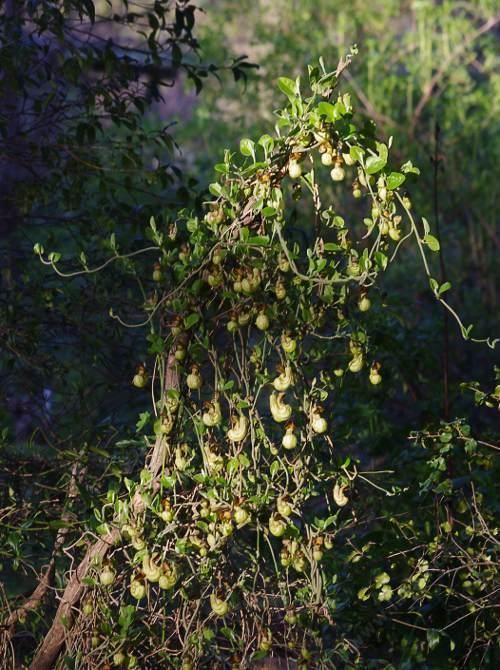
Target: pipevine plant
(218, 555)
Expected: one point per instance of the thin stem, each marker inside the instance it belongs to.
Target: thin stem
(78, 273)
(491, 343)
(446, 317)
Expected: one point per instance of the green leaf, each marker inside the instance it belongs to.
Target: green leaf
(364, 593)
(244, 460)
(229, 634)
(88, 581)
(252, 169)
(327, 109)
(143, 420)
(466, 331)
(288, 87)
(215, 189)
(57, 524)
(381, 260)
(223, 168)
(181, 546)
(274, 468)
(100, 452)
(267, 143)
(208, 634)
(259, 655)
(259, 240)
(339, 109)
(331, 112)
(157, 345)
(383, 151)
(247, 147)
(192, 225)
(409, 167)
(331, 246)
(190, 320)
(433, 638)
(394, 180)
(432, 242)
(356, 153)
(364, 261)
(444, 287)
(145, 476)
(381, 579)
(69, 662)
(267, 212)
(168, 482)
(374, 164)
(232, 465)
(329, 521)
(126, 617)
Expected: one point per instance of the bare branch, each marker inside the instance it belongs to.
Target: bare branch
(463, 46)
(53, 641)
(45, 580)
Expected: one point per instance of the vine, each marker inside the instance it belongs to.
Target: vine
(220, 550)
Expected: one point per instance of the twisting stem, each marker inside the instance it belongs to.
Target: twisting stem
(46, 577)
(491, 343)
(446, 317)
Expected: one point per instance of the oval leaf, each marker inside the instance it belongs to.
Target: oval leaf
(432, 242)
(287, 86)
(215, 189)
(374, 164)
(326, 109)
(247, 147)
(356, 153)
(267, 143)
(394, 180)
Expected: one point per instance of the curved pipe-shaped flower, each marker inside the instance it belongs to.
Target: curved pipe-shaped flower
(239, 428)
(356, 363)
(168, 576)
(338, 495)
(284, 380)
(279, 409)
(151, 570)
(212, 416)
(214, 461)
(219, 606)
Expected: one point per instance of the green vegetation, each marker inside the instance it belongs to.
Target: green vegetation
(244, 419)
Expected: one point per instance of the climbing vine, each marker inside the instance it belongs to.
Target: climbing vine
(220, 552)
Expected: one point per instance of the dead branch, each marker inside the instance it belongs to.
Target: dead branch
(45, 581)
(369, 108)
(429, 87)
(54, 639)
